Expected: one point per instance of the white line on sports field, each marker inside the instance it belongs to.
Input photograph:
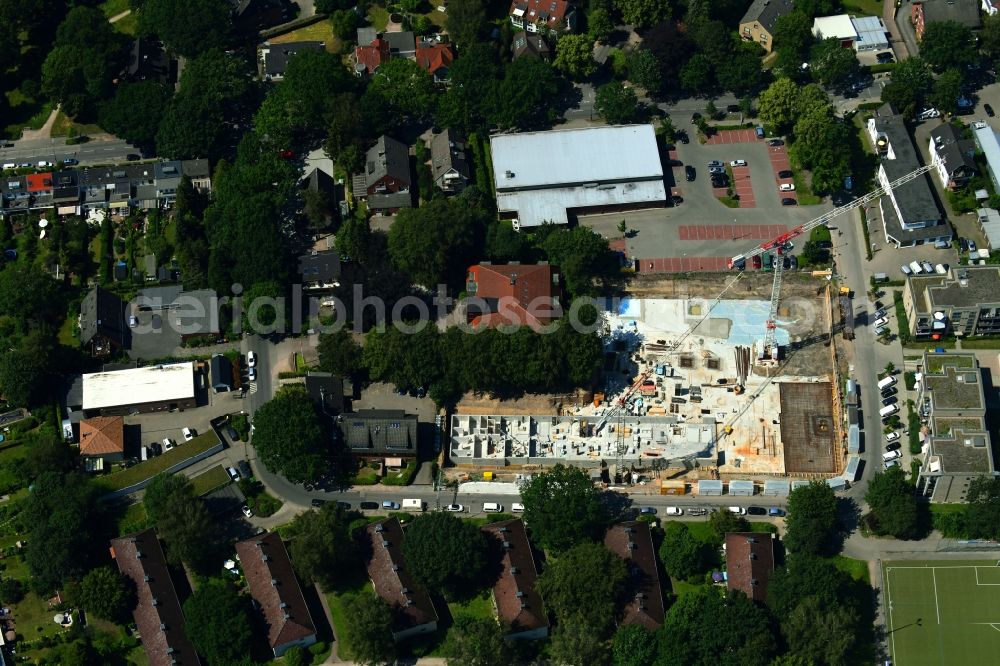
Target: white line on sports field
(936, 608)
(888, 598)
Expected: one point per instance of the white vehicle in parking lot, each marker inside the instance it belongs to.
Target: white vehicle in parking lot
(168, 443)
(251, 359)
(738, 510)
(786, 187)
(252, 374)
(892, 436)
(881, 321)
(454, 507)
(188, 434)
(675, 511)
(738, 163)
(906, 270)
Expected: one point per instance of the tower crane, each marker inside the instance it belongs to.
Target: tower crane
(769, 352)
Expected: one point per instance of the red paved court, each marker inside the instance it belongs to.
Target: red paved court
(743, 188)
(733, 136)
(729, 231)
(780, 162)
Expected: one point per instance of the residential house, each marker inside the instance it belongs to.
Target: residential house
(957, 165)
(389, 435)
(327, 391)
(861, 33)
(909, 211)
(66, 192)
(273, 585)
(546, 16)
(512, 295)
(256, 15)
(436, 59)
(965, 12)
(103, 437)
(632, 541)
(102, 322)
(965, 302)
(16, 198)
(413, 612)
(956, 441)
(401, 44)
(988, 221)
(275, 57)
(757, 24)
(40, 188)
(157, 614)
(221, 373)
(516, 600)
(329, 191)
(320, 270)
(197, 170)
(530, 44)
(387, 178)
(749, 563)
(191, 313)
(167, 178)
(369, 57)
(449, 164)
(149, 61)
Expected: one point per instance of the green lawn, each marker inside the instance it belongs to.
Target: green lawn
(31, 615)
(209, 480)
(150, 468)
(336, 601)
(856, 569)
(132, 518)
(114, 7)
(863, 7)
(63, 125)
(820, 235)
(942, 613)
(25, 112)
(315, 32)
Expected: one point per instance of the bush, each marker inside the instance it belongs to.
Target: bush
(913, 423)
(11, 590)
(910, 379)
(296, 656)
(403, 477)
(951, 524)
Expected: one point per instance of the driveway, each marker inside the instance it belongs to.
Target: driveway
(903, 28)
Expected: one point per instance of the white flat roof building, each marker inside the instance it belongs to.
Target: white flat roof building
(862, 33)
(139, 386)
(839, 27)
(540, 176)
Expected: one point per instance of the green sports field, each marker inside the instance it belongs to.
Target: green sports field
(942, 613)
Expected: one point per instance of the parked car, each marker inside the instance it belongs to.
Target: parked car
(43, 164)
(715, 163)
(775, 511)
(775, 142)
(695, 117)
(317, 503)
(252, 374)
(795, 262)
(881, 321)
(891, 400)
(738, 510)
(233, 474)
(517, 507)
(717, 170)
(756, 262)
(156, 448)
(927, 114)
(232, 434)
(682, 137)
(889, 464)
(346, 506)
(648, 511)
(168, 443)
(368, 506)
(189, 434)
(697, 511)
(244, 468)
(675, 511)
(963, 245)
(788, 201)
(787, 187)
(786, 263)
(893, 447)
(246, 511)
(454, 507)
(756, 511)
(738, 163)
(885, 57)
(689, 173)
(390, 504)
(989, 110)
(251, 359)
(785, 174)
(906, 270)
(972, 245)
(740, 265)
(879, 330)
(886, 392)
(133, 157)
(927, 266)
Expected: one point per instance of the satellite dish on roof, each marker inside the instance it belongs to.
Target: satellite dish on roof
(42, 223)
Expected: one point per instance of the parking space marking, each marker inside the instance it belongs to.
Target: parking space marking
(732, 136)
(695, 232)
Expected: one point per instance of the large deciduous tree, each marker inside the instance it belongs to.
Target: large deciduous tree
(563, 507)
(217, 621)
(134, 113)
(106, 593)
(445, 554)
(477, 642)
(369, 637)
(290, 438)
(643, 13)
(982, 515)
(747, 640)
(644, 70)
(820, 633)
(584, 584)
(893, 505)
(812, 519)
(575, 56)
(833, 65)
(947, 90)
(526, 92)
(321, 544)
(187, 27)
(683, 556)
(740, 73)
(472, 96)
(405, 89)
(947, 44)
(794, 32)
(617, 104)
(466, 22)
(777, 104)
(339, 353)
(819, 143)
(633, 645)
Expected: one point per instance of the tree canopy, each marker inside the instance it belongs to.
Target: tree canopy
(369, 637)
(445, 554)
(290, 438)
(466, 22)
(218, 622)
(947, 44)
(833, 65)
(643, 13)
(893, 505)
(683, 556)
(812, 519)
(983, 512)
(106, 593)
(477, 642)
(563, 507)
(617, 104)
(633, 645)
(187, 27)
(135, 111)
(585, 584)
(575, 56)
(321, 544)
(404, 89)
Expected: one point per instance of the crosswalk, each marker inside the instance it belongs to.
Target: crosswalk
(253, 387)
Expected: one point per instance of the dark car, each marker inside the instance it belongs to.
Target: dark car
(232, 434)
(740, 265)
(891, 400)
(788, 201)
(786, 263)
(963, 245)
(775, 142)
(648, 511)
(775, 511)
(885, 57)
(343, 505)
(318, 502)
(893, 446)
(244, 468)
(795, 262)
(989, 110)
(695, 117)
(675, 163)
(784, 174)
(886, 392)
(756, 511)
(689, 173)
(733, 108)
(133, 157)
(682, 137)
(368, 506)
(677, 200)
(155, 448)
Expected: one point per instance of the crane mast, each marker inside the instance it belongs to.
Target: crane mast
(768, 354)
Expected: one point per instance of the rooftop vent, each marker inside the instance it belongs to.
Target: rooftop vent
(378, 528)
(385, 544)
(274, 582)
(508, 174)
(395, 567)
(506, 545)
(515, 570)
(156, 602)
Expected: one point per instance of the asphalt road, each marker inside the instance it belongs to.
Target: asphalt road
(32, 151)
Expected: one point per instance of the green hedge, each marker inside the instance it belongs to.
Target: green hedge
(403, 477)
(913, 423)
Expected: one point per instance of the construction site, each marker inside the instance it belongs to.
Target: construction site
(687, 390)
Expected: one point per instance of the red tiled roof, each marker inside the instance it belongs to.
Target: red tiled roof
(633, 542)
(519, 294)
(102, 435)
(435, 56)
(517, 601)
(373, 55)
(157, 613)
(387, 570)
(38, 182)
(749, 563)
(554, 10)
(273, 584)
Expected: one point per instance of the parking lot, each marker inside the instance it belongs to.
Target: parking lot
(702, 233)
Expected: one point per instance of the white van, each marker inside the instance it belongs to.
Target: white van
(413, 505)
(883, 384)
(888, 410)
(892, 455)
(916, 268)
(517, 507)
(492, 507)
